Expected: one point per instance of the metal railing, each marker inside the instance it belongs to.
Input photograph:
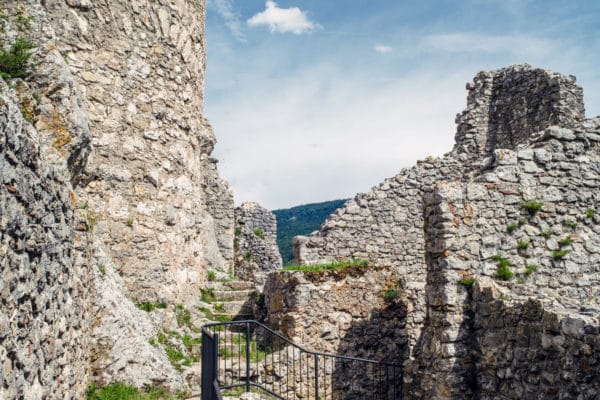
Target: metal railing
(246, 355)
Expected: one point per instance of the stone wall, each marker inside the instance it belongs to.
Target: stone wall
(43, 292)
(438, 235)
(474, 226)
(341, 312)
(255, 242)
(525, 350)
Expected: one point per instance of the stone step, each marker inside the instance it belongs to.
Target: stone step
(234, 316)
(229, 295)
(239, 285)
(234, 307)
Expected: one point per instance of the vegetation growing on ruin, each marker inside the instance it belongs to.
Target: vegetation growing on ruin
(503, 271)
(122, 391)
(14, 62)
(334, 266)
(532, 206)
(148, 307)
(259, 232)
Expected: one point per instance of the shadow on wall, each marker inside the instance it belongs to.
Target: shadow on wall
(381, 337)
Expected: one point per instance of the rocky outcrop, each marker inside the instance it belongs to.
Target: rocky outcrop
(255, 243)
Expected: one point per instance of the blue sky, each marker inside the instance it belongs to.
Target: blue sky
(315, 100)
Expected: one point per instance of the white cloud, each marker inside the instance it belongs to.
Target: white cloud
(320, 134)
(232, 19)
(283, 20)
(383, 49)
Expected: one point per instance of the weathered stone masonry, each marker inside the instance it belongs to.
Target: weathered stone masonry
(255, 243)
(434, 233)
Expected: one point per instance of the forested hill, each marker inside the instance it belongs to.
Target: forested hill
(301, 220)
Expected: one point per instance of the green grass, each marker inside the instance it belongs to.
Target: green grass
(467, 282)
(335, 266)
(148, 307)
(259, 232)
(213, 317)
(503, 271)
(212, 276)
(532, 206)
(14, 62)
(207, 295)
(559, 254)
(565, 242)
(122, 391)
(530, 269)
(391, 294)
(590, 212)
(523, 244)
(510, 228)
(183, 316)
(177, 356)
(257, 352)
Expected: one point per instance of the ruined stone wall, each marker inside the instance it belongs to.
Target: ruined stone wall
(525, 350)
(354, 312)
(474, 226)
(43, 292)
(386, 225)
(255, 243)
(150, 178)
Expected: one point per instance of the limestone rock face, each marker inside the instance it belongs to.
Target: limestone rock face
(43, 291)
(255, 242)
(110, 197)
(161, 209)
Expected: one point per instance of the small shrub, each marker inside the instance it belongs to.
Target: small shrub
(212, 276)
(502, 270)
(391, 294)
(467, 282)
(237, 231)
(259, 232)
(532, 206)
(504, 273)
(523, 244)
(530, 269)
(260, 300)
(102, 269)
(559, 254)
(14, 62)
(510, 228)
(590, 213)
(565, 242)
(501, 261)
(130, 222)
(236, 244)
(547, 233)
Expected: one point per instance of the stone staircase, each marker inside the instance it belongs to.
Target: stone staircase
(229, 300)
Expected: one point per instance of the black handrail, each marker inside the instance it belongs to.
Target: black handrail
(281, 367)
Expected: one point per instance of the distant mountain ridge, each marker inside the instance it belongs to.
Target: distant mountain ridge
(301, 220)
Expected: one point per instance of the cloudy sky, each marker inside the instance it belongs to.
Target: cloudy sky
(314, 100)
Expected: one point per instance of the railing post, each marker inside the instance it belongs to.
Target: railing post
(247, 356)
(316, 377)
